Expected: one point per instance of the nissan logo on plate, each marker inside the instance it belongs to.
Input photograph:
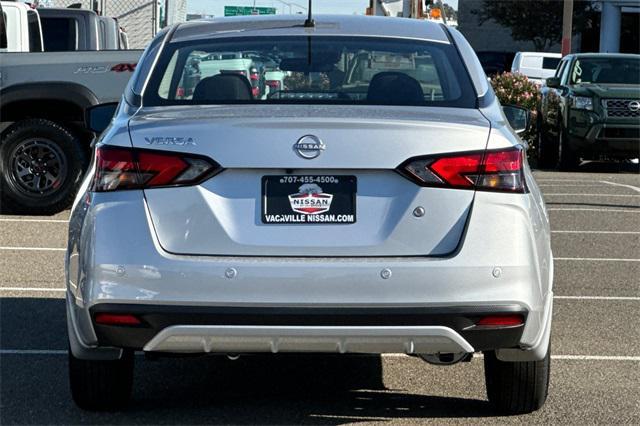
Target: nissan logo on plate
(309, 147)
(634, 106)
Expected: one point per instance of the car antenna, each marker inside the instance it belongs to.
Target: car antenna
(309, 23)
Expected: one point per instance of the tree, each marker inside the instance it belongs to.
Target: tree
(450, 12)
(538, 21)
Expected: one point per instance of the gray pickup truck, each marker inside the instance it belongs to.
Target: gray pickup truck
(44, 141)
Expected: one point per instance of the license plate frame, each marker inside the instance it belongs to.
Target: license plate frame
(309, 199)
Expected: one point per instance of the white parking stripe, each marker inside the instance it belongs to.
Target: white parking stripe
(634, 188)
(35, 220)
(596, 232)
(45, 289)
(569, 194)
(592, 185)
(596, 357)
(30, 289)
(567, 180)
(596, 259)
(558, 357)
(597, 297)
(34, 248)
(578, 209)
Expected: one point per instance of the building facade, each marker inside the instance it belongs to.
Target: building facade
(614, 29)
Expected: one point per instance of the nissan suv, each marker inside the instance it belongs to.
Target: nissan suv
(590, 110)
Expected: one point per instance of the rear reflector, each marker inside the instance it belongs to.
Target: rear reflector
(500, 170)
(501, 321)
(125, 168)
(116, 319)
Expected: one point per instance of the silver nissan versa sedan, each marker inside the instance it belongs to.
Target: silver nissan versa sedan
(347, 187)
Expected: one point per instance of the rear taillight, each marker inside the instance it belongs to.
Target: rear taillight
(497, 170)
(253, 74)
(274, 85)
(125, 168)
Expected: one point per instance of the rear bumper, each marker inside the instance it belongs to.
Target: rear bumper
(212, 329)
(115, 261)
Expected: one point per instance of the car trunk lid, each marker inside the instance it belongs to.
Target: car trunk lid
(392, 216)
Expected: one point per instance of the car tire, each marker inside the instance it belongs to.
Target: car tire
(98, 385)
(41, 167)
(567, 158)
(547, 151)
(516, 387)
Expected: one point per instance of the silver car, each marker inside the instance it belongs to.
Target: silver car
(377, 201)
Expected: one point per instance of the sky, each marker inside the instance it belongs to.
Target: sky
(348, 7)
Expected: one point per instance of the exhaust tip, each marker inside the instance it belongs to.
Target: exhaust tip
(446, 358)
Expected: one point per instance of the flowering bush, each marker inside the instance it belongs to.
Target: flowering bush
(516, 89)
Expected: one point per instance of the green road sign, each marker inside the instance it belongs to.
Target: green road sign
(248, 10)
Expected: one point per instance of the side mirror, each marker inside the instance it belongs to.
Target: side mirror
(517, 117)
(553, 82)
(98, 117)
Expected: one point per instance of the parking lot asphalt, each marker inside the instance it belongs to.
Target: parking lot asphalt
(595, 220)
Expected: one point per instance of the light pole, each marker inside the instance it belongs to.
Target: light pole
(290, 4)
(567, 24)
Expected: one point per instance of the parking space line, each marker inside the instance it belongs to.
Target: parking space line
(35, 220)
(57, 289)
(559, 357)
(578, 209)
(597, 298)
(596, 357)
(634, 188)
(588, 185)
(555, 357)
(567, 180)
(577, 194)
(596, 259)
(30, 289)
(596, 232)
(33, 248)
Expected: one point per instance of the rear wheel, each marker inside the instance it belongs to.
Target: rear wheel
(516, 387)
(567, 158)
(101, 385)
(41, 167)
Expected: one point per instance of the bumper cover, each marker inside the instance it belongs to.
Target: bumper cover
(223, 330)
(590, 134)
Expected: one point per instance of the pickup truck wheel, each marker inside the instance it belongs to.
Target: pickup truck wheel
(567, 158)
(41, 168)
(547, 151)
(516, 387)
(101, 385)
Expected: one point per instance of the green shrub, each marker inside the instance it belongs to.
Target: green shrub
(516, 89)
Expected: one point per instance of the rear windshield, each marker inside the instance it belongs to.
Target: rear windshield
(550, 63)
(606, 70)
(60, 34)
(311, 70)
